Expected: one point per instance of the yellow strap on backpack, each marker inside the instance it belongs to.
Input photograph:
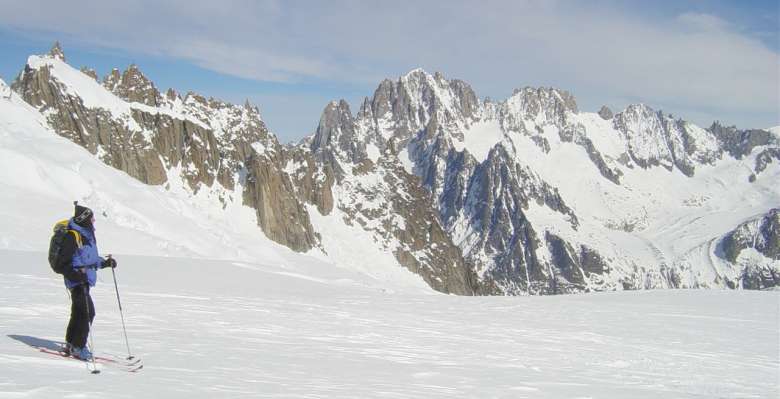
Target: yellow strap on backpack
(77, 236)
(64, 224)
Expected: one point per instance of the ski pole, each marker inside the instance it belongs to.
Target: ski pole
(121, 313)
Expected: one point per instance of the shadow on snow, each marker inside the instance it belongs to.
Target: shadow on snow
(36, 342)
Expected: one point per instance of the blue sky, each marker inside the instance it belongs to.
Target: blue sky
(701, 60)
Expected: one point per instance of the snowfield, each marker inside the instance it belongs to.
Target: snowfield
(226, 329)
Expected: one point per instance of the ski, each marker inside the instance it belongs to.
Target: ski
(133, 366)
(108, 357)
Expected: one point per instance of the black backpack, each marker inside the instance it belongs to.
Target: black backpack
(55, 245)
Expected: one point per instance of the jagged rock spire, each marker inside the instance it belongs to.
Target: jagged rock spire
(56, 51)
(111, 81)
(606, 113)
(132, 85)
(336, 121)
(89, 72)
(172, 95)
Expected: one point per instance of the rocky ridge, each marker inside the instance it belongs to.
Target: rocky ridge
(473, 195)
(759, 239)
(129, 125)
(482, 195)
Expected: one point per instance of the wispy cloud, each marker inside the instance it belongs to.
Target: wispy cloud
(703, 22)
(693, 61)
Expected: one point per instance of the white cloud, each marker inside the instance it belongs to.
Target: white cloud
(692, 62)
(704, 22)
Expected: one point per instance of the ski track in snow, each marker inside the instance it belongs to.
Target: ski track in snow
(217, 330)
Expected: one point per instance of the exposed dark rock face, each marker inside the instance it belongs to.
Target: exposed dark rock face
(605, 113)
(762, 235)
(659, 140)
(337, 131)
(386, 201)
(313, 179)
(489, 196)
(210, 141)
(481, 203)
(133, 86)
(426, 248)
(90, 128)
(576, 134)
(89, 72)
(281, 215)
(740, 143)
(765, 158)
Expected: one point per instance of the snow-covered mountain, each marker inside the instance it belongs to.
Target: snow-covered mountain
(523, 196)
(212, 145)
(42, 173)
(541, 197)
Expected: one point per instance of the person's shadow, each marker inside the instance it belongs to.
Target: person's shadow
(38, 343)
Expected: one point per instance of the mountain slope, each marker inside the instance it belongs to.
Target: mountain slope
(42, 173)
(528, 195)
(206, 145)
(211, 144)
(543, 198)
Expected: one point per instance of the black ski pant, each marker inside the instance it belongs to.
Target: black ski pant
(82, 312)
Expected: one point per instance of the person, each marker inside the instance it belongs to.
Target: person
(80, 260)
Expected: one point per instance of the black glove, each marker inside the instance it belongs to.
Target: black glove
(110, 262)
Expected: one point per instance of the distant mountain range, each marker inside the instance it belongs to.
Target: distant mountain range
(528, 195)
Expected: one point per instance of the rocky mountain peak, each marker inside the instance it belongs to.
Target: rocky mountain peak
(740, 143)
(112, 79)
(336, 131)
(172, 95)
(543, 104)
(418, 101)
(638, 119)
(132, 85)
(467, 99)
(432, 92)
(365, 109)
(56, 51)
(417, 74)
(640, 111)
(89, 72)
(655, 139)
(191, 96)
(606, 113)
(381, 102)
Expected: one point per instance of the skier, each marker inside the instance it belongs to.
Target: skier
(79, 262)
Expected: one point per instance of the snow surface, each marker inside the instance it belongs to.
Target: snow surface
(406, 163)
(217, 310)
(242, 329)
(480, 138)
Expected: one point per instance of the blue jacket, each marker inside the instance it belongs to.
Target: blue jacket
(87, 256)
